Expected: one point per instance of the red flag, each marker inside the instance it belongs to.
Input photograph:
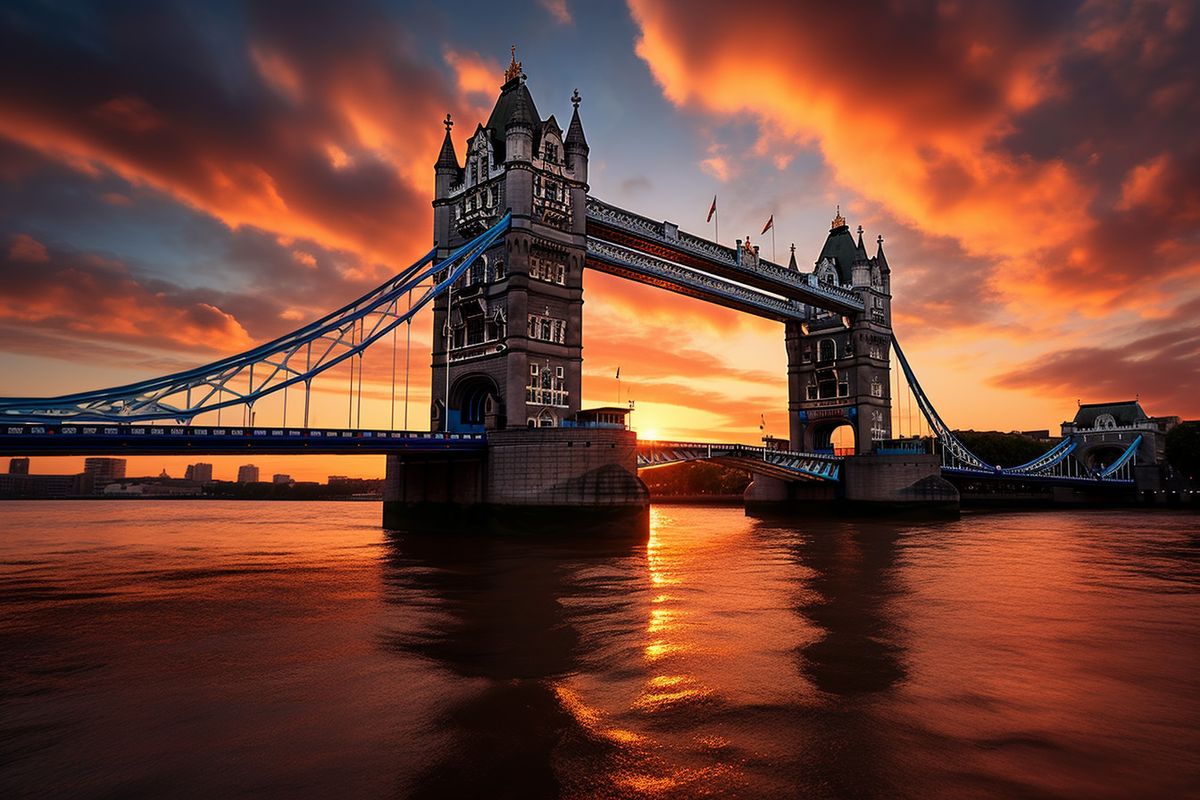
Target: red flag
(712, 209)
(770, 224)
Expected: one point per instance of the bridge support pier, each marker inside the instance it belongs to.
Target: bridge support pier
(539, 480)
(870, 484)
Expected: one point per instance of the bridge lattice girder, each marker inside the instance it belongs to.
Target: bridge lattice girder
(319, 346)
(616, 226)
(783, 464)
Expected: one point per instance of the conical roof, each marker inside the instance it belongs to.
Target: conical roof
(447, 158)
(575, 137)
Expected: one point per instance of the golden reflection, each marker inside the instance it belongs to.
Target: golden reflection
(591, 719)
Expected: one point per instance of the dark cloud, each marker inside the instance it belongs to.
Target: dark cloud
(304, 119)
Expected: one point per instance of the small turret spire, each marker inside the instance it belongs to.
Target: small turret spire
(880, 258)
(447, 157)
(575, 139)
(792, 261)
(514, 67)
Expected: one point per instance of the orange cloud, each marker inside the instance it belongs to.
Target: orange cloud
(27, 249)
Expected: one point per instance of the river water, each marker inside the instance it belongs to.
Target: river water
(215, 649)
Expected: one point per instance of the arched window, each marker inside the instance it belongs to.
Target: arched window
(826, 351)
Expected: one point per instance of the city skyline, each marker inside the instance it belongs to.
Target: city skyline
(1039, 233)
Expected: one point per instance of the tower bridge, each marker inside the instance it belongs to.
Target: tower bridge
(514, 227)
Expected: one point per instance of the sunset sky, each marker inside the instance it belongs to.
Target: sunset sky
(181, 180)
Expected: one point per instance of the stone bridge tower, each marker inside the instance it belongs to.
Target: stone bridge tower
(508, 340)
(838, 367)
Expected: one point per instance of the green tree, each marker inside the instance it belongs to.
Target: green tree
(1183, 449)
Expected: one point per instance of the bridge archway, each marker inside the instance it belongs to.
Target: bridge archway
(474, 403)
(1101, 455)
(835, 435)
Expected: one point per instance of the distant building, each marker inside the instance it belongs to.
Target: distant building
(200, 473)
(247, 474)
(146, 489)
(1040, 436)
(104, 470)
(334, 480)
(281, 478)
(16, 486)
(18, 466)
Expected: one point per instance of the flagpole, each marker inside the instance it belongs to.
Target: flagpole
(717, 222)
(773, 258)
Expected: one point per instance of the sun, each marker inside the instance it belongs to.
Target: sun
(648, 434)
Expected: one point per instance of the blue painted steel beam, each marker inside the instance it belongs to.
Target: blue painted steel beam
(121, 440)
(183, 395)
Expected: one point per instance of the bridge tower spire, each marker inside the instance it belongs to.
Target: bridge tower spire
(508, 341)
(838, 366)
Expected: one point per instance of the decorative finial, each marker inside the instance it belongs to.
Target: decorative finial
(449, 123)
(576, 99)
(880, 240)
(793, 248)
(839, 221)
(514, 68)
(860, 230)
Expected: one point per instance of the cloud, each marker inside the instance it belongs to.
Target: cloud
(1040, 161)
(1162, 366)
(27, 249)
(87, 294)
(320, 123)
(558, 9)
(952, 117)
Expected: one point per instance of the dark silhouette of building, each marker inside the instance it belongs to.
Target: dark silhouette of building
(247, 473)
(200, 473)
(104, 470)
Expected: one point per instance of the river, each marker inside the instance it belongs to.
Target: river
(211, 649)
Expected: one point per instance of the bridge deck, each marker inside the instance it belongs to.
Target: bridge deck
(100, 439)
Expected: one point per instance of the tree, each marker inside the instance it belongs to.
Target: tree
(1002, 449)
(1183, 449)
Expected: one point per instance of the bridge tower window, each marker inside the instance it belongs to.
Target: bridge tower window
(826, 351)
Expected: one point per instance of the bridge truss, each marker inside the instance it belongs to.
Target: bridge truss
(783, 464)
(295, 358)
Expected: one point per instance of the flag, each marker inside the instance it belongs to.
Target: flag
(770, 224)
(762, 422)
(618, 373)
(712, 209)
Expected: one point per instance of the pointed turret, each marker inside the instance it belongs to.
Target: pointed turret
(518, 129)
(880, 258)
(862, 251)
(792, 265)
(522, 115)
(447, 159)
(446, 171)
(575, 144)
(575, 138)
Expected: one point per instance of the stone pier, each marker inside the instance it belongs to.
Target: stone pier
(870, 484)
(528, 480)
